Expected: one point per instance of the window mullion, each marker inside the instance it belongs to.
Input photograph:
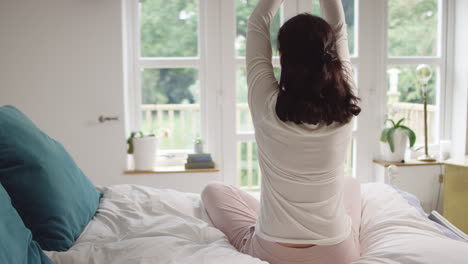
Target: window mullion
(447, 48)
(228, 102)
(372, 82)
(211, 89)
(136, 73)
(202, 36)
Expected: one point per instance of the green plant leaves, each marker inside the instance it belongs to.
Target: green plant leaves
(388, 133)
(384, 135)
(387, 136)
(130, 143)
(391, 132)
(399, 122)
(411, 134)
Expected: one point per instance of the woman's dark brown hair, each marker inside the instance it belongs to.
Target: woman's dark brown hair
(314, 87)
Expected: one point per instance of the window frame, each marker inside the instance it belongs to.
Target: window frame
(373, 38)
(137, 62)
(440, 60)
(217, 74)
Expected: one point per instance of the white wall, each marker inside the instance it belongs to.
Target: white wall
(460, 82)
(61, 63)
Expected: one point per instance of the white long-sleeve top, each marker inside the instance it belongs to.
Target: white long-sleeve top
(302, 165)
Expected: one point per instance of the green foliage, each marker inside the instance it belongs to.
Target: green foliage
(243, 10)
(387, 133)
(409, 87)
(170, 86)
(243, 164)
(169, 29)
(413, 29)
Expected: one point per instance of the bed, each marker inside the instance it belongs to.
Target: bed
(139, 224)
(52, 213)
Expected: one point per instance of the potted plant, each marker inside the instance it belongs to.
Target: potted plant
(143, 147)
(198, 145)
(394, 139)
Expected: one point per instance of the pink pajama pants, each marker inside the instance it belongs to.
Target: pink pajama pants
(235, 212)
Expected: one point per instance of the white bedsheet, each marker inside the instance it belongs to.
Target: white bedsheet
(137, 224)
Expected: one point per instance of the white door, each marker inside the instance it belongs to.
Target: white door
(62, 66)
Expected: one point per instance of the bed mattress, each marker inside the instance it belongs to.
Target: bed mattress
(139, 224)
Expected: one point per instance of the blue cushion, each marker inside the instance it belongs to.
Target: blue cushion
(16, 245)
(51, 194)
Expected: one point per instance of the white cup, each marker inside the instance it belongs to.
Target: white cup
(444, 149)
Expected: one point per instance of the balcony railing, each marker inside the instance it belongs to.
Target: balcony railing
(185, 118)
(179, 121)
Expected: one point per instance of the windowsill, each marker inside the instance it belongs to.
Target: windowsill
(171, 169)
(408, 163)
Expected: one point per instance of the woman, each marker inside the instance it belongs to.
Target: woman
(309, 212)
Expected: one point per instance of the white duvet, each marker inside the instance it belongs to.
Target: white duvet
(137, 224)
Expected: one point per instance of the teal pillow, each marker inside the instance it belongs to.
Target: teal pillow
(16, 244)
(51, 194)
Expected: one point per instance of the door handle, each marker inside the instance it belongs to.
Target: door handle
(103, 119)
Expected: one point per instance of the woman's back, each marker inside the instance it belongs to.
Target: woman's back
(302, 171)
(302, 164)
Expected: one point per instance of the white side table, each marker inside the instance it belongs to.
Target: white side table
(422, 179)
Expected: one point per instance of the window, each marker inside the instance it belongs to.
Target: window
(414, 37)
(169, 71)
(188, 74)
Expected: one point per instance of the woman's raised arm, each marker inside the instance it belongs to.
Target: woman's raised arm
(334, 14)
(260, 75)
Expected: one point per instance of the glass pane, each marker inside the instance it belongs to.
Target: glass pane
(243, 118)
(413, 27)
(171, 106)
(349, 9)
(243, 10)
(405, 100)
(169, 28)
(248, 169)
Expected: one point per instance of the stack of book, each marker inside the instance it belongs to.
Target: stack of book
(199, 161)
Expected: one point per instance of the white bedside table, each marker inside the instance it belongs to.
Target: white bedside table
(416, 177)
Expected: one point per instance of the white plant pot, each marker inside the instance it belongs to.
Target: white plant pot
(198, 147)
(144, 153)
(400, 139)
